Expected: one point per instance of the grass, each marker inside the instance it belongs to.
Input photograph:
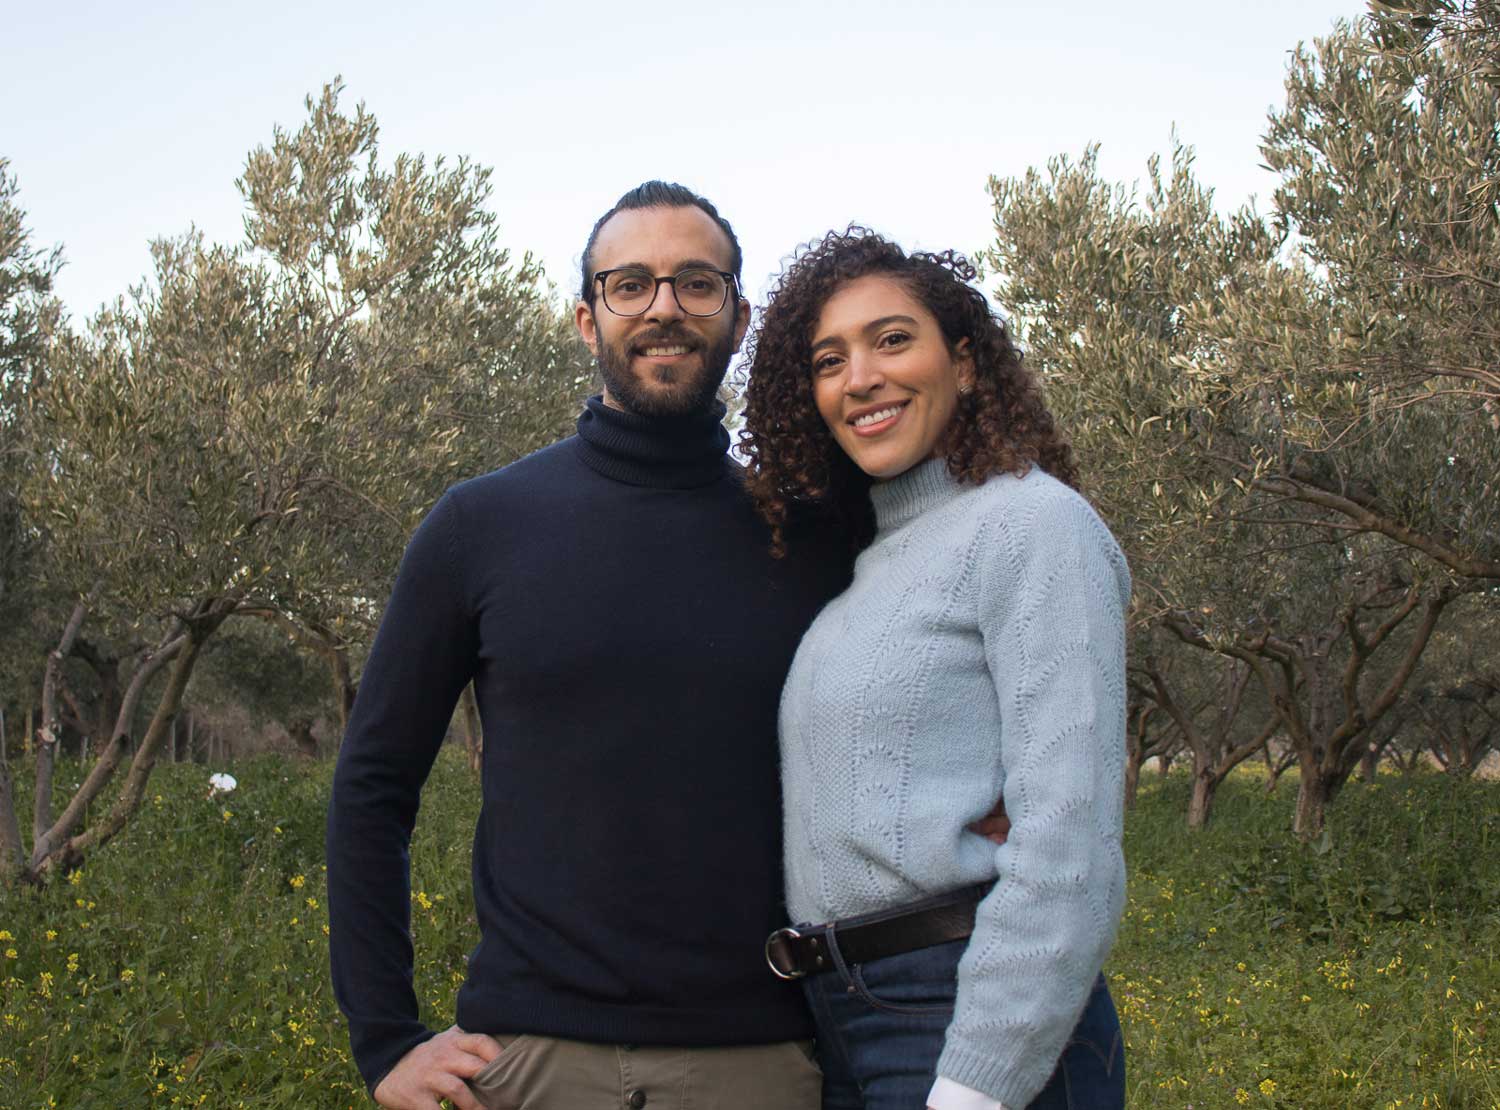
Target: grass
(185, 964)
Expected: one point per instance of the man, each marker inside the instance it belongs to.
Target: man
(613, 599)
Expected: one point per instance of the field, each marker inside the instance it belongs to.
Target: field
(185, 964)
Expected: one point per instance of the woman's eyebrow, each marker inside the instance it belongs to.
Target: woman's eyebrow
(872, 326)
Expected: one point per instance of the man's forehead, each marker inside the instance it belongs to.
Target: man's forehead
(661, 239)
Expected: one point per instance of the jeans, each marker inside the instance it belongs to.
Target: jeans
(881, 1027)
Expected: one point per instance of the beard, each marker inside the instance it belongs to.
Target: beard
(666, 390)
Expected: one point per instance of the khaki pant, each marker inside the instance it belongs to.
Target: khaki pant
(546, 1073)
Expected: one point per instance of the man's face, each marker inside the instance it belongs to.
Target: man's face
(662, 362)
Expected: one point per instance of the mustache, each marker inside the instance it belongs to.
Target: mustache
(666, 337)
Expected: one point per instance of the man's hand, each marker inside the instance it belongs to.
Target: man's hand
(994, 825)
(436, 1069)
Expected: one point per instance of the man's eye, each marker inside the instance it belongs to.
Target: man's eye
(696, 285)
(628, 285)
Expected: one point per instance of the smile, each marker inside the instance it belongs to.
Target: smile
(876, 421)
(664, 352)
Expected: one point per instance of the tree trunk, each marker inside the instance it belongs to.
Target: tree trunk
(344, 685)
(473, 729)
(1200, 806)
(134, 788)
(1369, 763)
(300, 731)
(1164, 764)
(1315, 791)
(51, 734)
(54, 838)
(26, 737)
(12, 852)
(1132, 775)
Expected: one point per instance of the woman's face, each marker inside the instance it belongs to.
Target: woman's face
(884, 380)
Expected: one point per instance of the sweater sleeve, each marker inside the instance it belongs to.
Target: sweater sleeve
(1052, 592)
(422, 658)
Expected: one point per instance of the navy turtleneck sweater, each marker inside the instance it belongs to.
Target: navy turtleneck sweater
(613, 599)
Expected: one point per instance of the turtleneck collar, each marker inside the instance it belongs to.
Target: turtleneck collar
(667, 452)
(912, 493)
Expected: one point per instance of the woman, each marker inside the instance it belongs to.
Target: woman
(978, 653)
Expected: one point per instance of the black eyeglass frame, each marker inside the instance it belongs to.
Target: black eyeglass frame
(731, 283)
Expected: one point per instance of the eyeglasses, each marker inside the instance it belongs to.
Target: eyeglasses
(629, 292)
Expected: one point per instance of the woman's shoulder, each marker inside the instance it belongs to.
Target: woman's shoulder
(1038, 518)
(1035, 494)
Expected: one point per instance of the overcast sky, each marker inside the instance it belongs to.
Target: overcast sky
(124, 122)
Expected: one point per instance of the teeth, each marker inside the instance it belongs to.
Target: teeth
(877, 417)
(665, 352)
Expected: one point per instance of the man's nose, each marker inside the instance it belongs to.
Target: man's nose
(664, 305)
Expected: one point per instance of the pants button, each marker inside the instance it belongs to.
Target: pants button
(636, 1099)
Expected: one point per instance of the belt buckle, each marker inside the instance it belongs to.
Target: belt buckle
(778, 944)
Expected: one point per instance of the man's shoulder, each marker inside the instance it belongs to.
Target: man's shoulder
(524, 477)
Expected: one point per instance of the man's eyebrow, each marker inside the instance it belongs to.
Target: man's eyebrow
(872, 326)
(684, 264)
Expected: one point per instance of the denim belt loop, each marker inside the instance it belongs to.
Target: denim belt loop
(831, 941)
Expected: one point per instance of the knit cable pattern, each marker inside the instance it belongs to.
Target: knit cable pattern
(979, 652)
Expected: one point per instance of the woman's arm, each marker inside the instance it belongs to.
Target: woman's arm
(1052, 590)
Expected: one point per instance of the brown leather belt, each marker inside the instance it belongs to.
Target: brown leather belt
(802, 950)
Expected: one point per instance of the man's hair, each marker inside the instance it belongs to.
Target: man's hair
(658, 194)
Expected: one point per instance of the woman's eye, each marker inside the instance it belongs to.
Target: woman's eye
(826, 364)
(893, 338)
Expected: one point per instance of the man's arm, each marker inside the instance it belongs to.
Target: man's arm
(422, 658)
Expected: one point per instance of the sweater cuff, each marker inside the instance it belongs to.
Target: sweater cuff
(1007, 1076)
(948, 1095)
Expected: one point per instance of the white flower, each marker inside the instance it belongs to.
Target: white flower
(221, 783)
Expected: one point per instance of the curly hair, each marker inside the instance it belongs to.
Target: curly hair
(1002, 424)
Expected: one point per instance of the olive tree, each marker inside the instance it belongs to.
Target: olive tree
(259, 427)
(1122, 301)
(29, 316)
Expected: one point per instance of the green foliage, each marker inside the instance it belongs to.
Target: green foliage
(256, 665)
(1252, 970)
(29, 317)
(189, 960)
(1290, 424)
(265, 422)
(260, 429)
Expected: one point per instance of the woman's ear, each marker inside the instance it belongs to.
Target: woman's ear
(963, 361)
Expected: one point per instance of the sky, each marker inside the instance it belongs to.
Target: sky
(124, 123)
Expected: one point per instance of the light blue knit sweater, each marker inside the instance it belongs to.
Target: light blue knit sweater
(979, 651)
